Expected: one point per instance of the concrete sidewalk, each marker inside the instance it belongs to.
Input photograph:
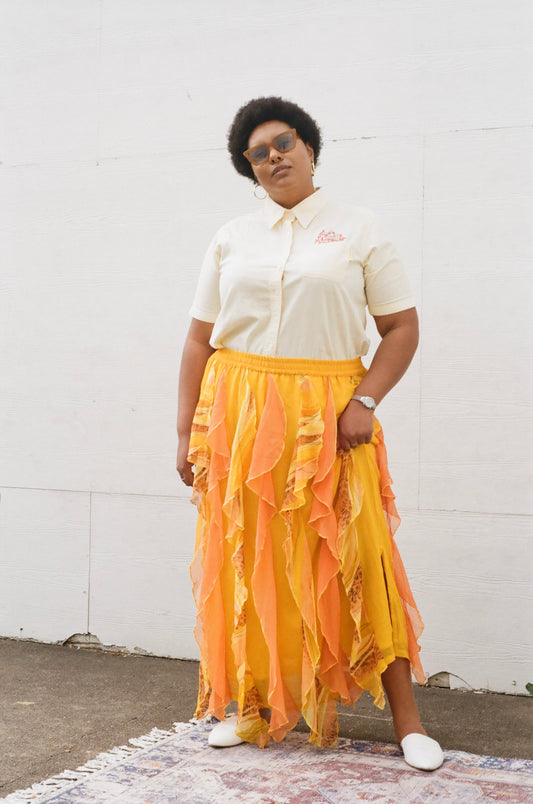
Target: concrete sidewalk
(62, 705)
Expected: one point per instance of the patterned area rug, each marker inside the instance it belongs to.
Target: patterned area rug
(178, 767)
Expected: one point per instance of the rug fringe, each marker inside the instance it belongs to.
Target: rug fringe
(38, 790)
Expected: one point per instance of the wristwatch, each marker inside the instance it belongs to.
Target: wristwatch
(367, 401)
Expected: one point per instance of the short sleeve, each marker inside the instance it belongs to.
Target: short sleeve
(386, 284)
(206, 302)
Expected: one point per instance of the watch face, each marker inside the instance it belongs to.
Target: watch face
(366, 401)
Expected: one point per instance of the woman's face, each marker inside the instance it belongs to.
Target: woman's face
(286, 177)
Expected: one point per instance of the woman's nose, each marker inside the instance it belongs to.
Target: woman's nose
(273, 154)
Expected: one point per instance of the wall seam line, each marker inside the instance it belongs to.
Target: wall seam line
(420, 386)
(89, 562)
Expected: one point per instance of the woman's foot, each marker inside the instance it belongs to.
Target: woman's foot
(223, 734)
(422, 752)
(419, 750)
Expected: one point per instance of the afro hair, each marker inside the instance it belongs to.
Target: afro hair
(263, 110)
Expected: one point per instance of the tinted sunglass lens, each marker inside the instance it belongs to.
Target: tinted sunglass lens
(284, 142)
(259, 154)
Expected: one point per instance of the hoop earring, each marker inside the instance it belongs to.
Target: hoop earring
(312, 168)
(260, 197)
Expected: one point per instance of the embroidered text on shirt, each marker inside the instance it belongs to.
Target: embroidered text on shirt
(329, 237)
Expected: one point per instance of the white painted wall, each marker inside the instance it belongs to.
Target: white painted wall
(114, 177)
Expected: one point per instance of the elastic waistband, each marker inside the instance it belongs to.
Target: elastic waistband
(290, 365)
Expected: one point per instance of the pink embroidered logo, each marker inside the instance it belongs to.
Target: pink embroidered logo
(329, 237)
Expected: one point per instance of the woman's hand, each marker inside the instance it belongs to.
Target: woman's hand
(182, 464)
(355, 426)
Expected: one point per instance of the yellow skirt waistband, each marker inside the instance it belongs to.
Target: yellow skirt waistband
(290, 365)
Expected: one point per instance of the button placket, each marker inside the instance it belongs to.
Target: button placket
(276, 296)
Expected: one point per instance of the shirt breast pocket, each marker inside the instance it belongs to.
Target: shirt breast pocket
(324, 260)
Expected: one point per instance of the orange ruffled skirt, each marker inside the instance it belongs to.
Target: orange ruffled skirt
(302, 598)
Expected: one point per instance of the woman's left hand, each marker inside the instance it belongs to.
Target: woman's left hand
(355, 426)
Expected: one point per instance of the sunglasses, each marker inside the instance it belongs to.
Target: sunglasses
(284, 142)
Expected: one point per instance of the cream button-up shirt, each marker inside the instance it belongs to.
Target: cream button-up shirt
(297, 282)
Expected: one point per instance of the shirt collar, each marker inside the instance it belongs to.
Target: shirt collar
(304, 212)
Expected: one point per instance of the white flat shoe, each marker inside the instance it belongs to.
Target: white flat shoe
(422, 752)
(223, 735)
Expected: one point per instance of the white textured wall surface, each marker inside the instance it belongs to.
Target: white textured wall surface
(114, 176)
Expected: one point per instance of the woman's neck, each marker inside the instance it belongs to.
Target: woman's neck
(290, 199)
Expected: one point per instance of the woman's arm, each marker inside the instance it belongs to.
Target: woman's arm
(196, 353)
(399, 340)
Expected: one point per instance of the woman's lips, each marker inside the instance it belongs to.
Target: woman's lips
(280, 169)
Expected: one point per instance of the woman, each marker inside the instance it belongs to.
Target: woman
(302, 596)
